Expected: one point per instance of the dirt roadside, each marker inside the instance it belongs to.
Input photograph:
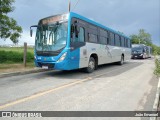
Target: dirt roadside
(10, 68)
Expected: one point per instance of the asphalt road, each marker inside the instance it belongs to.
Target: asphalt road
(110, 88)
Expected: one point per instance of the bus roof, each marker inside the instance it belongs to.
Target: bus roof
(138, 45)
(72, 14)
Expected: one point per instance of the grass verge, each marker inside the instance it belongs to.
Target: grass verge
(157, 67)
(12, 55)
(11, 59)
(15, 67)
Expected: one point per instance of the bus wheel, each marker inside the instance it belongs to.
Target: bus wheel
(91, 65)
(143, 57)
(122, 60)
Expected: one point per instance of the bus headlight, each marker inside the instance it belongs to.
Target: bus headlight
(62, 57)
(141, 54)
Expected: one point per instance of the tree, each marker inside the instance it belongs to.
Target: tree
(145, 38)
(8, 26)
(142, 38)
(156, 49)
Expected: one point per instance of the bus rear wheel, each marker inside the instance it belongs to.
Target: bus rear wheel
(122, 60)
(91, 65)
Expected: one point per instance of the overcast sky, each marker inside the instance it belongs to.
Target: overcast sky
(127, 16)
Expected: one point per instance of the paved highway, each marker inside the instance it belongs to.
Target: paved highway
(110, 88)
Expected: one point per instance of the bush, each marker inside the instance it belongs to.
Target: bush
(157, 67)
(14, 56)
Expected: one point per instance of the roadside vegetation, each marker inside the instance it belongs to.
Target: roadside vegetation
(15, 55)
(157, 67)
(12, 57)
(157, 62)
(145, 38)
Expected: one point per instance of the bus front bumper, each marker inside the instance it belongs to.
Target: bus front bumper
(53, 65)
(137, 56)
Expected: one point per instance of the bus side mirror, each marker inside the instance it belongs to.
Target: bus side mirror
(31, 32)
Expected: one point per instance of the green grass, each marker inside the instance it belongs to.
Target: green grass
(11, 55)
(16, 49)
(11, 59)
(157, 67)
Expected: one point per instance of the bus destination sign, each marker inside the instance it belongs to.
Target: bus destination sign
(55, 19)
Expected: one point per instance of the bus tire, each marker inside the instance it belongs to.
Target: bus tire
(122, 60)
(91, 65)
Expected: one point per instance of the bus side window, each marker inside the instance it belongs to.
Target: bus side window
(117, 40)
(108, 39)
(108, 42)
(129, 43)
(81, 35)
(112, 39)
(125, 42)
(122, 42)
(103, 36)
(92, 38)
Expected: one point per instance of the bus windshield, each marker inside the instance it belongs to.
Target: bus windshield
(137, 49)
(51, 37)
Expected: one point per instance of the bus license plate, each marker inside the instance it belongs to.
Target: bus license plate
(135, 56)
(45, 67)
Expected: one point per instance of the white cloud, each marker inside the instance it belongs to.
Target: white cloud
(123, 15)
(25, 37)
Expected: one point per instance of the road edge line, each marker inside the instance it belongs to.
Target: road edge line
(156, 101)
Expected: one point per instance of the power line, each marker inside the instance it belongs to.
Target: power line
(69, 5)
(75, 5)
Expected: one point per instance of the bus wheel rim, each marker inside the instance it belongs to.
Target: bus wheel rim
(91, 65)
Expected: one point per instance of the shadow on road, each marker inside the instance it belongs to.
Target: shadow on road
(80, 74)
(148, 106)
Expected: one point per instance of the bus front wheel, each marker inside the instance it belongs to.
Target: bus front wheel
(91, 65)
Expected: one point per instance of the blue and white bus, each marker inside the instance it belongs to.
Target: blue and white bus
(71, 41)
(141, 51)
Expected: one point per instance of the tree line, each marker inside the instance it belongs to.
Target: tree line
(9, 29)
(144, 38)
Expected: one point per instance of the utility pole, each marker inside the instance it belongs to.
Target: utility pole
(25, 54)
(69, 5)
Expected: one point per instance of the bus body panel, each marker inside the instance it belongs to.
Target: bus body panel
(74, 59)
(83, 57)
